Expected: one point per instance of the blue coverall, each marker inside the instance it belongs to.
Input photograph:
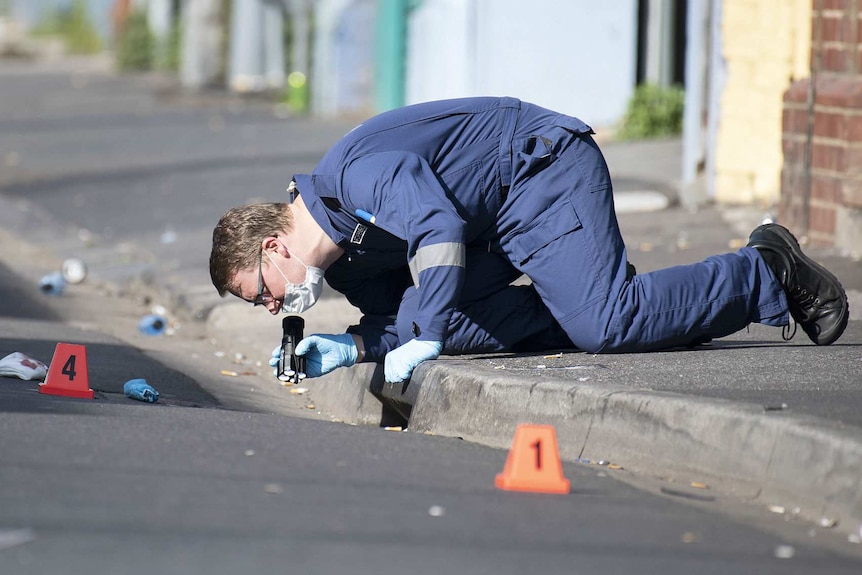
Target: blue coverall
(471, 193)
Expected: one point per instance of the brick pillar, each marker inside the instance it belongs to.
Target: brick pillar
(830, 187)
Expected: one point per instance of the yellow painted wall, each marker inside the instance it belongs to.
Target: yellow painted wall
(766, 45)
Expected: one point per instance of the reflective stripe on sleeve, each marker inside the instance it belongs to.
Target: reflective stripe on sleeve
(444, 254)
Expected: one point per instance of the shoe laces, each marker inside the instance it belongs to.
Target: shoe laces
(789, 330)
(802, 296)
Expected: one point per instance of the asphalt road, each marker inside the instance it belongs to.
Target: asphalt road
(203, 484)
(110, 486)
(193, 485)
(200, 491)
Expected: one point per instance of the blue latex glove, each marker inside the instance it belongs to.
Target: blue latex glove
(323, 353)
(401, 361)
(141, 390)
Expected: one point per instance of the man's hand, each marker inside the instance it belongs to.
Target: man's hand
(323, 353)
(401, 361)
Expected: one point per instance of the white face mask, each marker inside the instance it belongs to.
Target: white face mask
(300, 297)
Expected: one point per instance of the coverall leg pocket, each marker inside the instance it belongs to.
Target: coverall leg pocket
(557, 253)
(561, 230)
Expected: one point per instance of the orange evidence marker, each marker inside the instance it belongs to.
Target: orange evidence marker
(67, 374)
(533, 463)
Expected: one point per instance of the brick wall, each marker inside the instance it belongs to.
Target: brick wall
(828, 192)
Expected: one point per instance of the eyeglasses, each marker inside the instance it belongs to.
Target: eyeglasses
(262, 298)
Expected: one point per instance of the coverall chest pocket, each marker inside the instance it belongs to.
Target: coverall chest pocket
(556, 221)
(532, 154)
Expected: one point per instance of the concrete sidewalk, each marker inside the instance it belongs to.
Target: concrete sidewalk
(778, 423)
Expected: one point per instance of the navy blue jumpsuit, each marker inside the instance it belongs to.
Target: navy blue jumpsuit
(471, 193)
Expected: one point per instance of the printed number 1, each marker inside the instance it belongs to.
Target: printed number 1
(537, 445)
(69, 368)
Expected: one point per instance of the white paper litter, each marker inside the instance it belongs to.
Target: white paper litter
(22, 366)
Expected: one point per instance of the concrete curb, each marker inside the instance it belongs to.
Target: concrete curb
(798, 462)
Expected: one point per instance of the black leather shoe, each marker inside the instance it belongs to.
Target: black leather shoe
(816, 299)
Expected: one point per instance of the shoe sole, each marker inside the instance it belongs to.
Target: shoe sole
(791, 241)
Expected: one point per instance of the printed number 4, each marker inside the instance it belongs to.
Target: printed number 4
(537, 445)
(69, 368)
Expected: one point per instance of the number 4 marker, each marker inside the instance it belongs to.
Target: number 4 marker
(67, 374)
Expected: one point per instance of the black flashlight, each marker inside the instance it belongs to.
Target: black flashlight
(291, 367)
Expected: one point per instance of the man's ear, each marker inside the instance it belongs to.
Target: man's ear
(271, 244)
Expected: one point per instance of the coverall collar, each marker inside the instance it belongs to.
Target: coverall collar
(312, 188)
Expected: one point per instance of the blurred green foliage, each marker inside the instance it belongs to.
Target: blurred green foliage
(136, 45)
(169, 50)
(49, 24)
(72, 25)
(653, 112)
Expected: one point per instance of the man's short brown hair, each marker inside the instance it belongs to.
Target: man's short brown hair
(237, 240)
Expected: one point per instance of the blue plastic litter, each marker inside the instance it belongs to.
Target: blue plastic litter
(152, 324)
(52, 284)
(141, 390)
